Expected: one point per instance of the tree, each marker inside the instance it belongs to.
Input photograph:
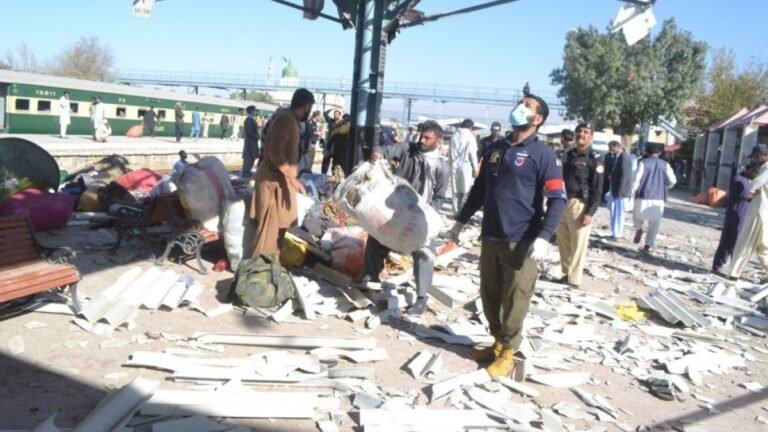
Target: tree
(255, 96)
(23, 61)
(726, 89)
(619, 86)
(86, 59)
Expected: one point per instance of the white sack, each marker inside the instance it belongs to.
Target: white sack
(388, 207)
(203, 188)
(232, 227)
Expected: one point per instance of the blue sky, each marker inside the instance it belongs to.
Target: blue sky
(504, 46)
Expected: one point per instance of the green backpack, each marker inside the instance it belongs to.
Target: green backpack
(262, 282)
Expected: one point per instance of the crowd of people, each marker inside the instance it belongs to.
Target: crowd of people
(531, 194)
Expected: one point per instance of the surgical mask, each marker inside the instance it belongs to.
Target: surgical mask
(519, 115)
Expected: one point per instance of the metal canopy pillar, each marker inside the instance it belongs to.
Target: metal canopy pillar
(367, 80)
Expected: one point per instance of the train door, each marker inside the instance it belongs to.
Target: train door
(3, 96)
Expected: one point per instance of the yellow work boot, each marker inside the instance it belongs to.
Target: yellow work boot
(504, 363)
(487, 354)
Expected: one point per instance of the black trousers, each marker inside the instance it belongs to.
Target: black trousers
(423, 264)
(179, 131)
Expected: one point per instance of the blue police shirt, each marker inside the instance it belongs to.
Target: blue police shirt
(511, 185)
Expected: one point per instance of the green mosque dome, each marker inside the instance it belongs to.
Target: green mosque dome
(289, 71)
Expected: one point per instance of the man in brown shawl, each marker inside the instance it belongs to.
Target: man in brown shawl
(273, 207)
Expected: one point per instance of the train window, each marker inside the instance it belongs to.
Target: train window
(22, 104)
(142, 112)
(74, 107)
(161, 114)
(120, 111)
(43, 106)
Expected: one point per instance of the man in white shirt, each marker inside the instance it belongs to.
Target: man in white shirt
(64, 119)
(463, 161)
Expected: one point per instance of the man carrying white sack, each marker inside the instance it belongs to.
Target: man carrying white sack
(423, 167)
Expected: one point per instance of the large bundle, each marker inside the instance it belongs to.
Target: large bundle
(204, 187)
(388, 208)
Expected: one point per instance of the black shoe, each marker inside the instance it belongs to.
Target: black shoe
(647, 250)
(638, 236)
(562, 280)
(418, 308)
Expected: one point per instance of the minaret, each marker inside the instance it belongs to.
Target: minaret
(269, 72)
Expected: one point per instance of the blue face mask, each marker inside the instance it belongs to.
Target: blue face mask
(519, 115)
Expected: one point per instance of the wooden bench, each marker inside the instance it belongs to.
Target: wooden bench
(27, 267)
(188, 234)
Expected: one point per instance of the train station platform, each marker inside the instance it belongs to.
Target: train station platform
(157, 154)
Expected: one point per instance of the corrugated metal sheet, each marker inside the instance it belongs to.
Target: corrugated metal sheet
(672, 308)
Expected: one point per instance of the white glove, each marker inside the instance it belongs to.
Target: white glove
(453, 234)
(539, 249)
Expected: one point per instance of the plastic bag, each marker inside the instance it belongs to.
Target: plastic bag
(164, 186)
(388, 207)
(294, 251)
(347, 248)
(232, 228)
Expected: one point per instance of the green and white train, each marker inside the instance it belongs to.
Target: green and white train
(29, 104)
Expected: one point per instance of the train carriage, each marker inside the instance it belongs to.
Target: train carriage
(29, 104)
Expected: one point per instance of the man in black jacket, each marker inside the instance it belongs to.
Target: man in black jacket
(250, 141)
(619, 183)
(427, 171)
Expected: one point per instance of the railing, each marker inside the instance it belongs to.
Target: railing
(405, 90)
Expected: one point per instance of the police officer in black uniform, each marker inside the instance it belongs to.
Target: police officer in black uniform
(583, 170)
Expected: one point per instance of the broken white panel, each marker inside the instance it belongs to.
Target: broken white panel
(445, 387)
(357, 356)
(124, 307)
(303, 293)
(34, 325)
(550, 421)
(99, 329)
(520, 413)
(425, 420)
(283, 312)
(561, 379)
(97, 307)
(239, 404)
(197, 423)
(705, 362)
(754, 387)
(517, 386)
(161, 287)
(16, 345)
(596, 401)
(286, 341)
(220, 310)
(672, 309)
(181, 289)
(356, 297)
(117, 407)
